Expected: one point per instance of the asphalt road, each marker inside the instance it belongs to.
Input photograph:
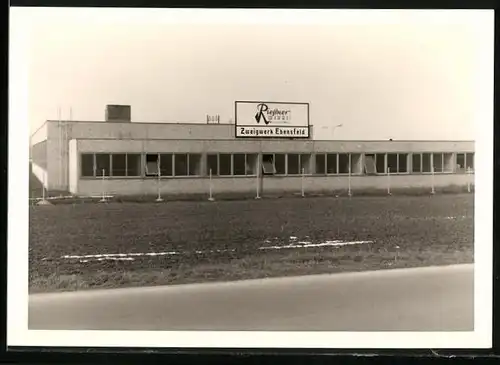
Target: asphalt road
(424, 299)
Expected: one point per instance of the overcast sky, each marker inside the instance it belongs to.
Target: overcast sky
(397, 79)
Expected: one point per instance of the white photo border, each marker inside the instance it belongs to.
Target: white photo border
(18, 209)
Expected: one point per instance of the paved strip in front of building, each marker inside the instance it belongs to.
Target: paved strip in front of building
(422, 299)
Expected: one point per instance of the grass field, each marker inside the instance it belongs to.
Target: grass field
(182, 242)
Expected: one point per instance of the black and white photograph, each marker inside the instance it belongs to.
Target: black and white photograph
(250, 178)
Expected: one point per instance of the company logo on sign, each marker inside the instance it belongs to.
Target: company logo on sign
(269, 119)
(267, 115)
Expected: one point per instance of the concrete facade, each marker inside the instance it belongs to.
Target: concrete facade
(60, 145)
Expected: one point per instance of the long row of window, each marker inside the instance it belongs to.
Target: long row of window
(131, 164)
(244, 164)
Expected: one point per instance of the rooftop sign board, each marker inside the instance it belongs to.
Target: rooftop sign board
(260, 119)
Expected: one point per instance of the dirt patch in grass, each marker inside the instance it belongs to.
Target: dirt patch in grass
(186, 242)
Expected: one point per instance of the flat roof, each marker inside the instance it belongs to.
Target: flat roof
(204, 124)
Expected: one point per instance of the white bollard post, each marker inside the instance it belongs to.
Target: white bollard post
(103, 198)
(210, 197)
(257, 180)
(44, 201)
(349, 192)
(388, 173)
(469, 175)
(302, 182)
(159, 198)
(433, 190)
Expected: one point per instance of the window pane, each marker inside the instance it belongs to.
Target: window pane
(370, 167)
(88, 164)
(403, 162)
(224, 164)
(356, 167)
(426, 162)
(380, 163)
(166, 165)
(251, 165)
(331, 163)
(460, 162)
(437, 160)
(469, 161)
(293, 164)
(152, 164)
(181, 164)
(305, 163)
(133, 164)
(343, 163)
(102, 164)
(194, 164)
(268, 164)
(268, 157)
(416, 162)
(239, 164)
(268, 167)
(448, 162)
(321, 164)
(212, 164)
(279, 164)
(392, 162)
(119, 165)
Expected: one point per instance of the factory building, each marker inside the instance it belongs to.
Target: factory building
(265, 148)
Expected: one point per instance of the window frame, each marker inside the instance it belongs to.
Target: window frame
(431, 162)
(93, 176)
(442, 162)
(174, 174)
(407, 157)
(108, 175)
(349, 172)
(172, 162)
(219, 164)
(453, 165)
(316, 155)
(145, 165)
(377, 155)
(421, 163)
(141, 172)
(336, 173)
(308, 156)
(207, 164)
(460, 170)
(361, 162)
(273, 163)
(473, 168)
(112, 155)
(287, 164)
(233, 158)
(191, 163)
(364, 170)
(247, 164)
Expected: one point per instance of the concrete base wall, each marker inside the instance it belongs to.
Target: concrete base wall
(270, 184)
